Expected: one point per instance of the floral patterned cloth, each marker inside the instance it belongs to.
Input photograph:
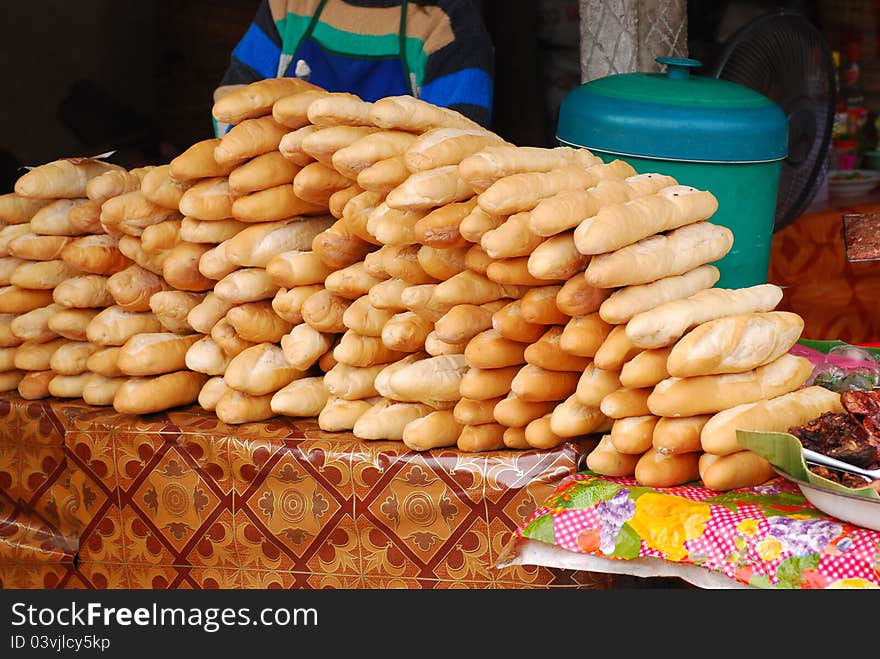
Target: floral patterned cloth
(768, 536)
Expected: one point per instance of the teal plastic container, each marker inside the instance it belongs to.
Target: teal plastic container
(707, 133)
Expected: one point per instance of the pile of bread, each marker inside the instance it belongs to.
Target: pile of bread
(397, 271)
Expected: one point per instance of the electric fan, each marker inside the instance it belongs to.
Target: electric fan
(785, 57)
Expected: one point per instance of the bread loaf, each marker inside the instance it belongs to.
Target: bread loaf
(256, 99)
(350, 382)
(212, 391)
(484, 437)
(98, 255)
(236, 407)
(86, 218)
(71, 323)
(208, 199)
(493, 162)
(162, 189)
(42, 275)
(483, 383)
(292, 110)
(363, 318)
(679, 435)
(258, 322)
(513, 237)
(439, 147)
(513, 411)
(324, 311)
(16, 209)
(33, 385)
(584, 335)
(133, 287)
(32, 356)
(546, 353)
(146, 395)
(197, 162)
(212, 232)
(71, 358)
(297, 268)
(100, 390)
(34, 325)
(262, 172)
(430, 189)
(415, 115)
(288, 303)
(473, 412)
(571, 418)
(16, 300)
(595, 383)
(161, 236)
(626, 402)
(633, 434)
(616, 350)
(31, 247)
(64, 178)
(115, 182)
(215, 264)
(205, 356)
(339, 414)
(430, 379)
(776, 414)
(68, 386)
(658, 469)
(114, 325)
(707, 394)
(437, 429)
(131, 247)
(246, 285)
(357, 350)
(733, 471)
(489, 349)
(645, 369)
(606, 460)
(260, 370)
(173, 307)
(661, 255)
(509, 322)
(305, 397)
(132, 212)
(734, 344)
(54, 218)
(225, 336)
(304, 345)
(104, 361)
(154, 353)
(533, 383)
(249, 138)
(208, 312)
(338, 247)
(352, 282)
(666, 323)
(386, 419)
(8, 264)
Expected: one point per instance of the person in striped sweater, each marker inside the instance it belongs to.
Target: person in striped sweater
(439, 51)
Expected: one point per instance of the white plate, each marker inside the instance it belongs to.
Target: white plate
(840, 186)
(851, 508)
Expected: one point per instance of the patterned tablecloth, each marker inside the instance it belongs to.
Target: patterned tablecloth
(93, 499)
(766, 537)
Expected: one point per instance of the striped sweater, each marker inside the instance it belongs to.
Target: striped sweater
(448, 55)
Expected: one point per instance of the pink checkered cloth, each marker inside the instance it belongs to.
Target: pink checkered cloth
(767, 536)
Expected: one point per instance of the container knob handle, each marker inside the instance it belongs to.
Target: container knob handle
(678, 68)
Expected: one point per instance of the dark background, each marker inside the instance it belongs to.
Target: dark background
(90, 76)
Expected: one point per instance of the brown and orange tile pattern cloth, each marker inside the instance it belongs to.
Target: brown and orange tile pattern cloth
(93, 499)
(837, 299)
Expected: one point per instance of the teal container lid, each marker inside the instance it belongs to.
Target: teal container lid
(674, 115)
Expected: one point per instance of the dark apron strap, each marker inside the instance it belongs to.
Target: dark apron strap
(311, 27)
(401, 51)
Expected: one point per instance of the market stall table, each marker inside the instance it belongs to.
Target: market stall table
(93, 499)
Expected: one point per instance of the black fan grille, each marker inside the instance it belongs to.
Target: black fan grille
(783, 56)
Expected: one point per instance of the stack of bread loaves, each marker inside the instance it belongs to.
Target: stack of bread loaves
(55, 349)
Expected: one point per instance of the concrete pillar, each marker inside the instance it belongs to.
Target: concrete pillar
(623, 36)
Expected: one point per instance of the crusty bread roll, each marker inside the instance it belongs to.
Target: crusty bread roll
(208, 199)
(305, 397)
(54, 218)
(338, 247)
(495, 162)
(114, 325)
(71, 323)
(383, 175)
(258, 322)
(132, 212)
(366, 151)
(351, 282)
(471, 411)
(68, 386)
(626, 402)
(131, 247)
(16, 209)
(297, 268)
(212, 391)
(7, 359)
(514, 271)
(17, 300)
(317, 182)
(437, 429)
(584, 335)
(212, 232)
(511, 238)
(776, 414)
(489, 349)
(13, 231)
(249, 138)
(8, 264)
(225, 336)
(469, 287)
(633, 434)
(162, 189)
(533, 383)
(173, 307)
(42, 275)
(339, 414)
(34, 385)
(339, 109)
(260, 369)
(430, 379)
(133, 287)
(604, 459)
(435, 346)
(7, 338)
(161, 236)
(484, 437)
(104, 361)
(154, 353)
(556, 258)
(482, 383)
(64, 178)
(363, 318)
(660, 255)
(215, 264)
(303, 346)
(463, 322)
(546, 353)
(509, 322)
(83, 292)
(288, 304)
(571, 418)
(71, 358)
(474, 226)
(256, 99)
(734, 344)
(618, 225)
(205, 356)
(733, 471)
(415, 115)
(31, 247)
(273, 204)
(115, 182)
(261, 172)
(645, 369)
(258, 244)
(538, 305)
(392, 226)
(386, 419)
(513, 411)
(439, 147)
(406, 332)
(246, 285)
(146, 395)
(666, 323)
(208, 312)
(515, 438)
(707, 394)
(430, 189)
(34, 325)
(32, 356)
(578, 298)
(98, 255)
(197, 162)
(357, 350)
(539, 434)
(236, 407)
(658, 469)
(291, 110)
(350, 382)
(339, 199)
(86, 218)
(595, 383)
(616, 350)
(680, 434)
(100, 390)
(324, 310)
(181, 268)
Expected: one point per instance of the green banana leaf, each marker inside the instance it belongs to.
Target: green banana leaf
(784, 451)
